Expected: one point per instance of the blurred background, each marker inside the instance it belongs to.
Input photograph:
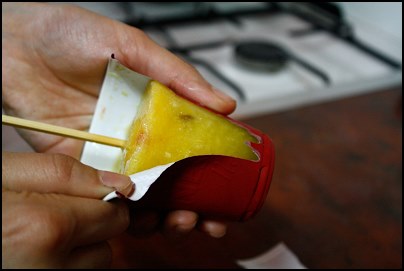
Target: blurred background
(351, 47)
(323, 80)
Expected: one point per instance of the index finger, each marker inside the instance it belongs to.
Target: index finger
(57, 173)
(143, 55)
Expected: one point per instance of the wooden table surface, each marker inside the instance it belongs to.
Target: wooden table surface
(335, 199)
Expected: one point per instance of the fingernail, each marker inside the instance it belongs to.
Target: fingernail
(121, 183)
(217, 234)
(222, 96)
(214, 230)
(224, 104)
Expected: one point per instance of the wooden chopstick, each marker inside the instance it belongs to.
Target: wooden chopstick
(62, 131)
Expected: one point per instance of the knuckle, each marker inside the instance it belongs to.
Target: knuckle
(63, 166)
(139, 33)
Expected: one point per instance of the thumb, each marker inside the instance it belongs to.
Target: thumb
(57, 173)
(143, 55)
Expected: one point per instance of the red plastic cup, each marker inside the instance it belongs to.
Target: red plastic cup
(215, 186)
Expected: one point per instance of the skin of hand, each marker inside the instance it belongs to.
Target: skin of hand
(54, 212)
(53, 62)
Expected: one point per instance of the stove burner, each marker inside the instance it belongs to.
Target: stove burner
(266, 55)
(261, 55)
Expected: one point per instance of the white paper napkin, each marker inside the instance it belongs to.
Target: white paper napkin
(279, 257)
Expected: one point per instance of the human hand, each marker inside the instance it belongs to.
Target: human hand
(53, 215)
(54, 60)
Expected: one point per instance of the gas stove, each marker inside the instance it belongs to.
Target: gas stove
(272, 56)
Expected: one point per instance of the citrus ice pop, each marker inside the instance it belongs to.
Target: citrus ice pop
(168, 128)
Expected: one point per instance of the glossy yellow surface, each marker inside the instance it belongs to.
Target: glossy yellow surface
(168, 128)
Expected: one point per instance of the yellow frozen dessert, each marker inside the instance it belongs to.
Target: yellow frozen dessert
(168, 128)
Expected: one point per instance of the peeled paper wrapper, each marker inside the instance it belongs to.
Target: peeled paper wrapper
(116, 109)
(218, 186)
